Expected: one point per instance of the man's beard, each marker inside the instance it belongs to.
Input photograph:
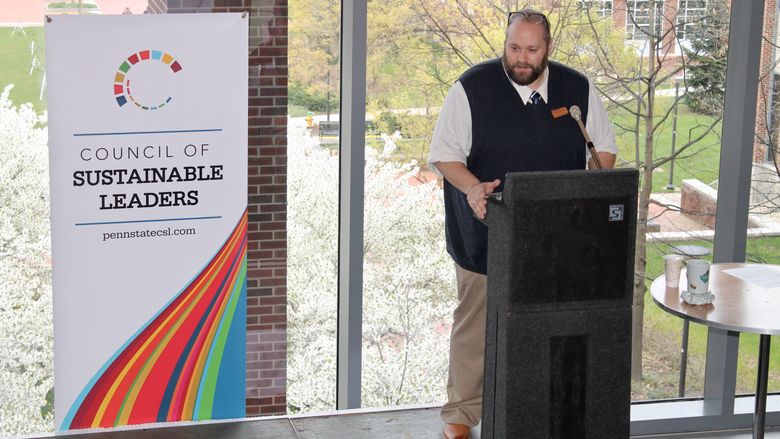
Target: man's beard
(524, 78)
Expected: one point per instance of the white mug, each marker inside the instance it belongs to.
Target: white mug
(698, 276)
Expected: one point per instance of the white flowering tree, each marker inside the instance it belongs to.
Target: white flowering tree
(26, 348)
(409, 286)
(312, 229)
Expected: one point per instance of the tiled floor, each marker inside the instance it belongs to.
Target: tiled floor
(717, 435)
(405, 423)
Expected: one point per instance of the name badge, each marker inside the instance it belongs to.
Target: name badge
(560, 112)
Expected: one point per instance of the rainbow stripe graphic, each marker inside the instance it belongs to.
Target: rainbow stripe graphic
(122, 85)
(187, 362)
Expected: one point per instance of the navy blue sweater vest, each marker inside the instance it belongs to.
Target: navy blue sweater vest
(509, 136)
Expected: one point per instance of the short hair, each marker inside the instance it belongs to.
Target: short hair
(531, 16)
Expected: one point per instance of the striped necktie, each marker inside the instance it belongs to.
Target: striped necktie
(535, 97)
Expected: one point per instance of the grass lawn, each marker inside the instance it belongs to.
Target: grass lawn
(15, 66)
(296, 110)
(700, 161)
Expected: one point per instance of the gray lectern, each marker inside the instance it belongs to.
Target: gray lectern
(560, 278)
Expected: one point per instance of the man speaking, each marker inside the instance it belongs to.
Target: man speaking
(504, 115)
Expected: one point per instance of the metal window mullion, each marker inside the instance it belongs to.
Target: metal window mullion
(351, 184)
(736, 157)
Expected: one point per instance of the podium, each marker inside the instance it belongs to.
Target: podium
(560, 281)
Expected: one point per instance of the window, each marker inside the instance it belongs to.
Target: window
(690, 18)
(638, 25)
(603, 8)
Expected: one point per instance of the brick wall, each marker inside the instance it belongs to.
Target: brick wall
(699, 202)
(766, 84)
(619, 14)
(267, 247)
(667, 52)
(668, 22)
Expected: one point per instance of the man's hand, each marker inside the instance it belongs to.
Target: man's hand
(477, 197)
(476, 192)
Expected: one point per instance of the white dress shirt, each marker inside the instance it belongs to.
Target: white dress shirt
(452, 135)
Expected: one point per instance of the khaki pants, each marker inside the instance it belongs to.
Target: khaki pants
(467, 351)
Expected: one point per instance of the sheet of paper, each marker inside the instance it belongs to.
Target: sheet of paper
(762, 276)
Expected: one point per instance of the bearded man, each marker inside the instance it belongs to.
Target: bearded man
(504, 115)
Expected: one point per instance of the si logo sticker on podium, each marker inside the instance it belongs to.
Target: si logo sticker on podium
(616, 212)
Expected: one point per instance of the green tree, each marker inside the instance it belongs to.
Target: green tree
(314, 53)
(706, 76)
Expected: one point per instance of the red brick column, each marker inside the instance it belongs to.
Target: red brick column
(766, 72)
(266, 367)
(619, 13)
(668, 23)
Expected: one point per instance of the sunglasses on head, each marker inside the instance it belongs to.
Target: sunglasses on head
(533, 17)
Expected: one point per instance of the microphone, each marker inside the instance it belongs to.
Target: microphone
(576, 114)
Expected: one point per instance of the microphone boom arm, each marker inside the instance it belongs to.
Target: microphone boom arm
(595, 155)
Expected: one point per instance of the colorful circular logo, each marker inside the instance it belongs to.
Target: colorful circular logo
(123, 92)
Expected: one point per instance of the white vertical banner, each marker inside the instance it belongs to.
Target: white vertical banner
(148, 155)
